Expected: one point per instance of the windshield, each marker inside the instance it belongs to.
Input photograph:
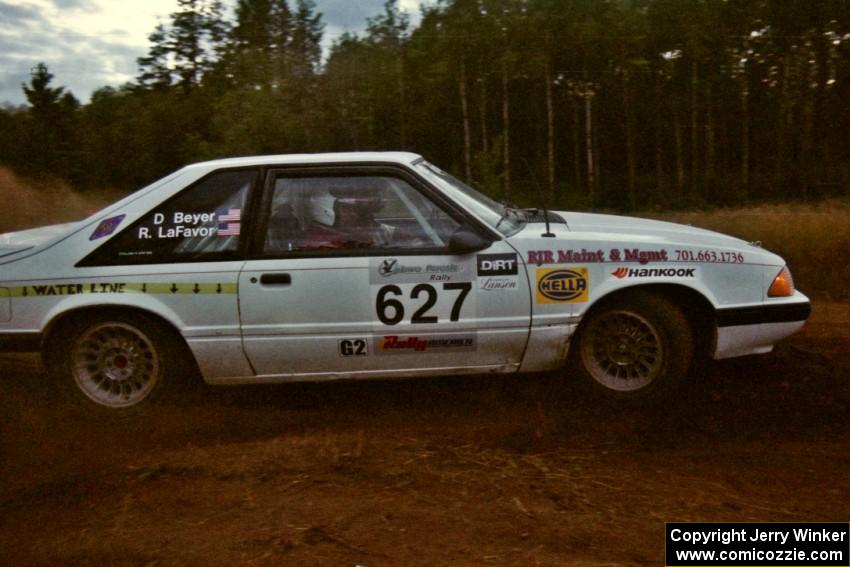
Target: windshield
(497, 215)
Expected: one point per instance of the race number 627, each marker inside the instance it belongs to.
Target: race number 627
(390, 309)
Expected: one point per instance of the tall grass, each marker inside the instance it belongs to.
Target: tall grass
(29, 203)
(814, 238)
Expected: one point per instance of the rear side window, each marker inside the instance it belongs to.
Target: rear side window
(202, 223)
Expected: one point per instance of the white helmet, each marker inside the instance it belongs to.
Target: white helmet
(322, 208)
(325, 206)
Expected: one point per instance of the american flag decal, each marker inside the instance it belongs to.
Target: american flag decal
(229, 228)
(229, 215)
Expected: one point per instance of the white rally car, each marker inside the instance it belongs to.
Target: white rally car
(368, 265)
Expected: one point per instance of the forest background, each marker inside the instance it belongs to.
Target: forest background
(614, 104)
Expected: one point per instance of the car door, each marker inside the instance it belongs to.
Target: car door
(352, 276)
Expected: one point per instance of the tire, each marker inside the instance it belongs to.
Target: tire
(113, 363)
(635, 346)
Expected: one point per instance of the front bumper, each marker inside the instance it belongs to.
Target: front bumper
(760, 314)
(756, 329)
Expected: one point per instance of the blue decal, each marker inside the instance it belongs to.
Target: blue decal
(106, 227)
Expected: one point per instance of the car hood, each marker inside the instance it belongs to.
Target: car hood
(586, 228)
(656, 230)
(13, 242)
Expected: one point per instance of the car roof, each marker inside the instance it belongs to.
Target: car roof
(405, 158)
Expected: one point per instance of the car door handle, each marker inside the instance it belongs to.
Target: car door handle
(276, 279)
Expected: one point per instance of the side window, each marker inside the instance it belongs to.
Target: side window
(381, 213)
(203, 222)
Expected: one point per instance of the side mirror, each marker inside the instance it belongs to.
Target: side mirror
(466, 241)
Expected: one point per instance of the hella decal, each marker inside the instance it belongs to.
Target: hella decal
(562, 285)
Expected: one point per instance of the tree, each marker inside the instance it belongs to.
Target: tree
(182, 52)
(49, 127)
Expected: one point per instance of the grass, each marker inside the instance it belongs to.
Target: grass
(814, 238)
(40, 203)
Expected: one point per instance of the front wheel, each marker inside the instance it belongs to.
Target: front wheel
(637, 345)
(112, 363)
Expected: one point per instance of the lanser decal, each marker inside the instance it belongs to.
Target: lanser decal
(494, 284)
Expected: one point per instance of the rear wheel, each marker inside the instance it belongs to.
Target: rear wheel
(637, 345)
(113, 363)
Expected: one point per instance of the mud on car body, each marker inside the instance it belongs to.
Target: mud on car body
(366, 265)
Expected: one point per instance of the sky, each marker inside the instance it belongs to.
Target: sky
(88, 44)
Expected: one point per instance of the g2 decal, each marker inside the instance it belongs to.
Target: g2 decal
(353, 347)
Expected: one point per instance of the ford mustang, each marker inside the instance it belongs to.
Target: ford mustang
(372, 265)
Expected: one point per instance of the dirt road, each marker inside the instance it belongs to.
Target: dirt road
(454, 471)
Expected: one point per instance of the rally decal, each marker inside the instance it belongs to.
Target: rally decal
(409, 270)
(412, 344)
(106, 227)
(44, 290)
(562, 285)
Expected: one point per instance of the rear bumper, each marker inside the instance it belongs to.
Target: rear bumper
(20, 342)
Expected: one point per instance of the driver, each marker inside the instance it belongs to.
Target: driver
(345, 218)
